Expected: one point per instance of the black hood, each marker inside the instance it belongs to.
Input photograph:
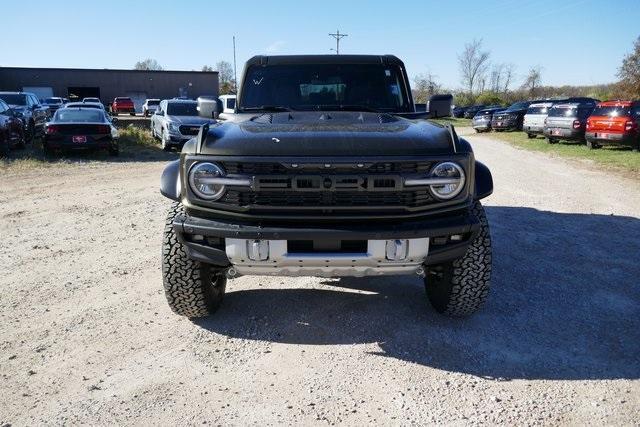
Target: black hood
(327, 133)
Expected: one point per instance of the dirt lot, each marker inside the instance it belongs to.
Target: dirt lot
(87, 337)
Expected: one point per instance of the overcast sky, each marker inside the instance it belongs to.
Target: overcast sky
(574, 41)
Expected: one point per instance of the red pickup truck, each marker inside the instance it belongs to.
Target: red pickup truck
(614, 122)
(123, 105)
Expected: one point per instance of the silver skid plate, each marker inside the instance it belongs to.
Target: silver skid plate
(270, 257)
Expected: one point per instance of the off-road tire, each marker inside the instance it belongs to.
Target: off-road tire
(551, 140)
(459, 288)
(193, 289)
(531, 135)
(592, 145)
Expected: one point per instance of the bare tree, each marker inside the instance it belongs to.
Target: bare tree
(629, 72)
(206, 68)
(225, 77)
(425, 85)
(508, 73)
(147, 64)
(533, 80)
(473, 62)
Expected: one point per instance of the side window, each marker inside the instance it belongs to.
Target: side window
(34, 100)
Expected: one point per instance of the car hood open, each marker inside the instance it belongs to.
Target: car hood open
(327, 133)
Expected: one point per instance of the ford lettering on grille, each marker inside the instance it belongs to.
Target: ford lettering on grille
(313, 183)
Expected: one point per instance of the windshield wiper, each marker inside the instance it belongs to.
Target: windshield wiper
(268, 108)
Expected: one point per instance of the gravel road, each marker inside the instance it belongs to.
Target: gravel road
(87, 337)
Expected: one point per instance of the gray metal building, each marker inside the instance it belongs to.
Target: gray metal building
(108, 84)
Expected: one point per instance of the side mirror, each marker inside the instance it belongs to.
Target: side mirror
(209, 107)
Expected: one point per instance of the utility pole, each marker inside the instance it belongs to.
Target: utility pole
(235, 76)
(337, 36)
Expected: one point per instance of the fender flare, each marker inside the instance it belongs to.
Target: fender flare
(170, 181)
(483, 181)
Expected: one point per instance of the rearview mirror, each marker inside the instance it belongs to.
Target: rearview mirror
(209, 107)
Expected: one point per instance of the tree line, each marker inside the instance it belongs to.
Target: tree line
(484, 82)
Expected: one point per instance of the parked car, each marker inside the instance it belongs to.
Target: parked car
(11, 129)
(150, 106)
(472, 111)
(34, 114)
(53, 103)
(91, 99)
(123, 104)
(176, 121)
(458, 112)
(80, 128)
(510, 118)
(533, 122)
(326, 180)
(614, 122)
(482, 120)
(567, 121)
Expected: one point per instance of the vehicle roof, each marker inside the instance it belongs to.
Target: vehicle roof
(618, 103)
(323, 59)
(84, 104)
(181, 101)
(541, 104)
(153, 99)
(11, 92)
(568, 105)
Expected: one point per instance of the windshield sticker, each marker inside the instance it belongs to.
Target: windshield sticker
(257, 82)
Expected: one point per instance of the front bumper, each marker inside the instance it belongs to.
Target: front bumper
(429, 240)
(504, 124)
(481, 124)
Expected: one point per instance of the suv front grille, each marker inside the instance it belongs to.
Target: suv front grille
(336, 188)
(189, 130)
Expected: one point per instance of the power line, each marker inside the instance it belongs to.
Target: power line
(337, 36)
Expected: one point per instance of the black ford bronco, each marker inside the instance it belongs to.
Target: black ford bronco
(325, 170)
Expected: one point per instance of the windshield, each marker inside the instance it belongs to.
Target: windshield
(123, 99)
(14, 99)
(325, 87)
(53, 101)
(83, 105)
(518, 106)
(153, 102)
(182, 109)
(79, 116)
(612, 111)
(563, 112)
(231, 103)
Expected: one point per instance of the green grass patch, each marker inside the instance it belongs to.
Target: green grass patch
(136, 144)
(618, 158)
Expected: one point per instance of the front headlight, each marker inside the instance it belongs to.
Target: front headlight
(173, 127)
(453, 175)
(202, 180)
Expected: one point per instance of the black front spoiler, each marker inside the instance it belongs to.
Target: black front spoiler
(464, 224)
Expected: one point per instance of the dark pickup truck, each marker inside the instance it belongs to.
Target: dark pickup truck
(325, 169)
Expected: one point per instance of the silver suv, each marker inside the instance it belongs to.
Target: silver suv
(176, 121)
(533, 123)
